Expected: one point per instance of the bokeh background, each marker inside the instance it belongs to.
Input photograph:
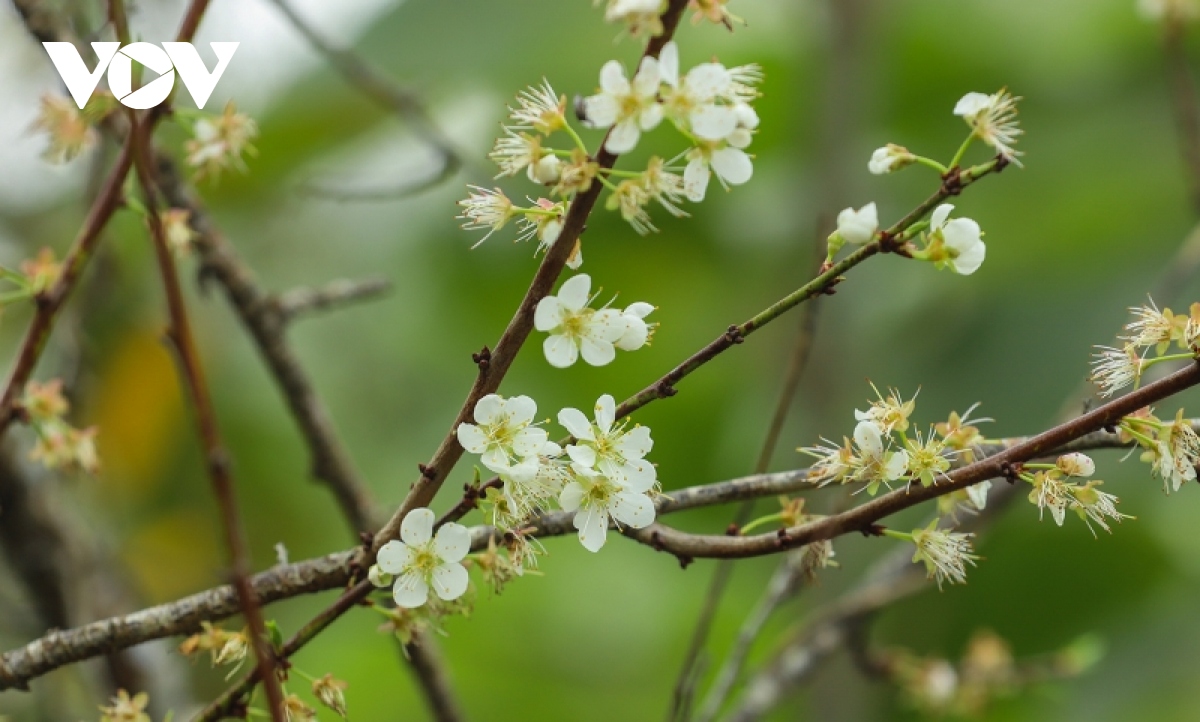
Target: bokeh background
(1083, 231)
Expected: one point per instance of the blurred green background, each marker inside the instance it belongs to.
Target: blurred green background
(1079, 234)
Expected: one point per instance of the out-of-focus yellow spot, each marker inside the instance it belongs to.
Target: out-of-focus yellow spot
(176, 554)
(138, 409)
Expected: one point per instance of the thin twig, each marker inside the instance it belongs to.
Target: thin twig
(302, 301)
(430, 672)
(216, 458)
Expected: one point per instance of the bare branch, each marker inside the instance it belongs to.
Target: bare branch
(303, 301)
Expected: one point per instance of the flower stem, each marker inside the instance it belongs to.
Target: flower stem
(762, 520)
(962, 150)
(931, 163)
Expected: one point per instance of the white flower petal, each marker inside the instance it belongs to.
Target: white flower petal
(939, 216)
(638, 475)
(592, 524)
(471, 438)
(450, 581)
(520, 410)
(713, 122)
(393, 557)
(575, 291)
(869, 438)
(970, 260)
(607, 324)
(452, 542)
(695, 179)
(645, 83)
(584, 455)
(733, 165)
(606, 413)
(560, 351)
(549, 314)
(623, 137)
(612, 79)
(410, 591)
(635, 443)
(417, 527)
(668, 64)
(650, 116)
(577, 423)
(635, 336)
(529, 441)
(597, 353)
(495, 458)
(635, 510)
(489, 409)
(571, 496)
(600, 111)
(707, 80)
(641, 309)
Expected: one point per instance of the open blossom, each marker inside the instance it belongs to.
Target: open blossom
(67, 126)
(516, 151)
(575, 329)
(664, 185)
(1176, 454)
(503, 431)
(889, 158)
(874, 464)
(631, 198)
(616, 450)
(530, 485)
(833, 463)
(421, 560)
(927, 459)
(1051, 492)
(945, 554)
(627, 107)
(1151, 327)
(858, 226)
(539, 109)
(1097, 506)
(956, 242)
(486, 209)
(123, 708)
(1115, 368)
(890, 412)
(691, 101)
(993, 118)
(219, 143)
(594, 498)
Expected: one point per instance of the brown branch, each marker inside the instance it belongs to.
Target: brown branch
(216, 457)
(429, 670)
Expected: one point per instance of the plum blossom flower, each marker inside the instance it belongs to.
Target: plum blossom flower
(539, 109)
(958, 242)
(1051, 492)
(219, 143)
(691, 101)
(575, 329)
(1176, 453)
(1094, 505)
(858, 226)
(421, 560)
(889, 159)
(993, 119)
(945, 554)
(627, 107)
(67, 126)
(874, 464)
(1115, 368)
(594, 498)
(640, 16)
(503, 432)
(486, 209)
(616, 450)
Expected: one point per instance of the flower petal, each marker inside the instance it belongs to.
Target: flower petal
(939, 216)
(574, 421)
(635, 510)
(597, 353)
(600, 111)
(668, 64)
(635, 336)
(417, 527)
(733, 165)
(520, 410)
(593, 527)
(713, 122)
(606, 413)
(612, 79)
(471, 438)
(571, 496)
(452, 542)
(638, 475)
(635, 443)
(608, 324)
(549, 314)
(970, 260)
(574, 292)
(869, 439)
(695, 179)
(560, 351)
(393, 557)
(489, 408)
(623, 137)
(450, 581)
(529, 441)
(410, 591)
(585, 455)
(707, 80)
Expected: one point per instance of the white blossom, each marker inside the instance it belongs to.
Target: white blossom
(575, 329)
(619, 452)
(594, 498)
(993, 118)
(1050, 492)
(858, 226)
(421, 560)
(874, 464)
(944, 553)
(889, 158)
(962, 238)
(1115, 368)
(1097, 506)
(503, 432)
(1176, 453)
(540, 109)
(691, 101)
(1149, 327)
(627, 107)
(1076, 464)
(486, 209)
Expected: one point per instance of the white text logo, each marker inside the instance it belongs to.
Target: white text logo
(81, 82)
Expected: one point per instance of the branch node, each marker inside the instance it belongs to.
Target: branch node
(873, 530)
(483, 359)
(952, 183)
(733, 530)
(1010, 471)
(427, 472)
(734, 335)
(665, 389)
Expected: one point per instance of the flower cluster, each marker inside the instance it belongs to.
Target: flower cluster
(218, 143)
(956, 243)
(59, 445)
(1054, 490)
(1172, 448)
(710, 105)
(883, 451)
(577, 330)
(1150, 332)
(603, 474)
